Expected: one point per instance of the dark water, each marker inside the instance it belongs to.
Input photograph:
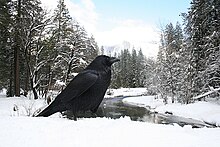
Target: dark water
(114, 108)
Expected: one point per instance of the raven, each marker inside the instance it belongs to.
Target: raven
(86, 91)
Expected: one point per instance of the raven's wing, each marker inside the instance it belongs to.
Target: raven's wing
(82, 82)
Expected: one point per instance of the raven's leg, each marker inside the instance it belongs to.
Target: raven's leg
(74, 116)
(70, 114)
(94, 110)
(94, 114)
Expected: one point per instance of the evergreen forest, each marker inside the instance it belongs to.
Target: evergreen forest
(42, 51)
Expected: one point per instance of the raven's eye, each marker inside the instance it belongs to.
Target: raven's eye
(108, 61)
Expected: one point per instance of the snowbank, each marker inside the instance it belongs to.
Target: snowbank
(144, 101)
(19, 106)
(99, 132)
(125, 92)
(204, 111)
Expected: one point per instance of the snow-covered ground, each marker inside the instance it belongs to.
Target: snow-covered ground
(125, 92)
(100, 132)
(16, 129)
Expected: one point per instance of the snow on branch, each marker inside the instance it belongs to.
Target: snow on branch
(207, 93)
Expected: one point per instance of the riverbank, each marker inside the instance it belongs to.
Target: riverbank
(208, 112)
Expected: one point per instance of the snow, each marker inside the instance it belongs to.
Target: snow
(20, 130)
(82, 61)
(60, 83)
(125, 92)
(207, 93)
(23, 106)
(204, 111)
(144, 101)
(99, 132)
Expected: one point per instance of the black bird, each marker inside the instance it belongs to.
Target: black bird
(86, 90)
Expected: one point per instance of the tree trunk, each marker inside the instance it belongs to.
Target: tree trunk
(26, 83)
(10, 88)
(69, 68)
(49, 82)
(17, 52)
(33, 89)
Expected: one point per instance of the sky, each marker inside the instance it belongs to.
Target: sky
(113, 22)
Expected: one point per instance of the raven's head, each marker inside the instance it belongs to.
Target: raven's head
(106, 60)
(102, 61)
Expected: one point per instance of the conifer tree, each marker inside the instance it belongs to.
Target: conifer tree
(202, 29)
(6, 52)
(169, 62)
(141, 69)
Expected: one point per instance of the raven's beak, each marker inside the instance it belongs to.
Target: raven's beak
(113, 60)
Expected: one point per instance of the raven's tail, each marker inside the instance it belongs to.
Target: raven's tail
(51, 109)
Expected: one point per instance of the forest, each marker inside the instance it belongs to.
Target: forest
(39, 49)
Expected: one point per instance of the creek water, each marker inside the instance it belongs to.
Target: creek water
(114, 108)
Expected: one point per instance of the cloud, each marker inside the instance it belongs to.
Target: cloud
(83, 11)
(137, 32)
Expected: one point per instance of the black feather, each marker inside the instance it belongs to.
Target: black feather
(86, 91)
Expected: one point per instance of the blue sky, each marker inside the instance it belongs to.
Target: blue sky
(150, 11)
(112, 22)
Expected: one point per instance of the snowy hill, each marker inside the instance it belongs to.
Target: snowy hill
(111, 50)
(148, 49)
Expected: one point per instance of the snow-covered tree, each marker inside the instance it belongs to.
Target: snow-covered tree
(33, 47)
(60, 41)
(203, 31)
(131, 70)
(148, 77)
(168, 62)
(160, 72)
(38, 49)
(125, 67)
(72, 48)
(142, 70)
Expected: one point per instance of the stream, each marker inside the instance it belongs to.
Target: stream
(114, 108)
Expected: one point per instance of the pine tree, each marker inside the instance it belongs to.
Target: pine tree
(6, 52)
(131, 70)
(141, 69)
(202, 28)
(150, 76)
(169, 62)
(71, 47)
(60, 41)
(134, 69)
(17, 46)
(212, 44)
(116, 76)
(36, 49)
(32, 24)
(161, 73)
